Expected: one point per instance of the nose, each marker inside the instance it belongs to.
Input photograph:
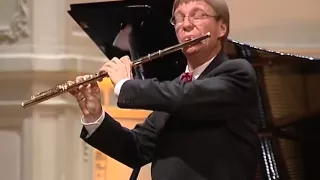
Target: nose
(187, 25)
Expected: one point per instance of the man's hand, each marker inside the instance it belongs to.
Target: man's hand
(89, 100)
(118, 69)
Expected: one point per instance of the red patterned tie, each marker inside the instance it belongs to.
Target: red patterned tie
(186, 77)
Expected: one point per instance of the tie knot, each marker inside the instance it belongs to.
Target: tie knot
(186, 77)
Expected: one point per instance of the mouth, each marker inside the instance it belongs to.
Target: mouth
(188, 38)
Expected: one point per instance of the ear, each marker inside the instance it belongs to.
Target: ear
(222, 29)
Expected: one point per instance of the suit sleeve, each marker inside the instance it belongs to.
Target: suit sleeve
(133, 148)
(233, 84)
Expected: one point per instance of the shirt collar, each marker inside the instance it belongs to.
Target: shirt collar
(197, 72)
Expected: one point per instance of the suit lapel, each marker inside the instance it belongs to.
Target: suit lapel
(220, 58)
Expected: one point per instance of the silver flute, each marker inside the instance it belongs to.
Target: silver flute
(72, 85)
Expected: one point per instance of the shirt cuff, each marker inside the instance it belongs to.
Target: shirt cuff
(92, 127)
(118, 86)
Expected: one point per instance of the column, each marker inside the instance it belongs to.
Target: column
(52, 148)
(48, 29)
(76, 155)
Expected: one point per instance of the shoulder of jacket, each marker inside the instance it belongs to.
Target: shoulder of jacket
(238, 64)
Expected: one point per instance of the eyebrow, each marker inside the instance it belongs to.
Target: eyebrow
(192, 10)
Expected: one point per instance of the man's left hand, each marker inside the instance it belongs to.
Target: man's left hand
(118, 69)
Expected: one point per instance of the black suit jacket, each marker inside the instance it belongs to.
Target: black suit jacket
(202, 130)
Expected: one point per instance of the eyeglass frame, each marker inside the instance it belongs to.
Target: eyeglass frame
(204, 15)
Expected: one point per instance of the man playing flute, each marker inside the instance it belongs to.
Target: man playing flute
(204, 123)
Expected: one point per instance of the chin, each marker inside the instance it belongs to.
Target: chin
(190, 53)
(191, 50)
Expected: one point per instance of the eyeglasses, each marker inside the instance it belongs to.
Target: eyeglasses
(178, 19)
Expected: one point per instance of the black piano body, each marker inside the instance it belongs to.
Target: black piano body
(288, 132)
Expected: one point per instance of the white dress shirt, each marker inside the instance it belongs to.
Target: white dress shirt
(91, 127)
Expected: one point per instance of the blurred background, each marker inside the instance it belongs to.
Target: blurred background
(41, 46)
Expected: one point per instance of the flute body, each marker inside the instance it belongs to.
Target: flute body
(69, 86)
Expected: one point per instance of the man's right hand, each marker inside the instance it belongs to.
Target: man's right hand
(89, 99)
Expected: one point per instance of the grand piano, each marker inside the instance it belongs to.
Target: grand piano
(289, 105)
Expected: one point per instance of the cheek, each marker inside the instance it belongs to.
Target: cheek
(179, 35)
(214, 30)
(209, 27)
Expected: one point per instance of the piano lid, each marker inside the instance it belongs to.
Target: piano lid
(139, 27)
(261, 56)
(121, 28)
(105, 23)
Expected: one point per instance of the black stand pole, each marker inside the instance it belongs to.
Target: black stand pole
(134, 174)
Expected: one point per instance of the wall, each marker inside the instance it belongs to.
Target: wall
(287, 24)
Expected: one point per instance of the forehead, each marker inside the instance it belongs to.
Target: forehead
(188, 6)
